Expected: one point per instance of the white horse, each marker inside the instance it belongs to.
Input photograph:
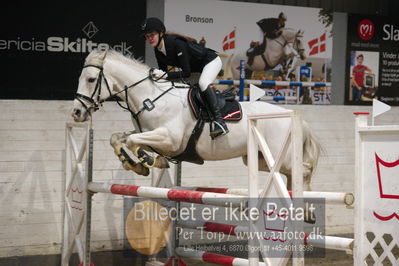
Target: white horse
(168, 126)
(287, 45)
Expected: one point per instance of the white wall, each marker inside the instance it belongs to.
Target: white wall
(31, 171)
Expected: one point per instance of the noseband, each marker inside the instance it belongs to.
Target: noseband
(94, 104)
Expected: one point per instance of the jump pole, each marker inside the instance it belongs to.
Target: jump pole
(345, 198)
(242, 79)
(273, 83)
(213, 258)
(199, 197)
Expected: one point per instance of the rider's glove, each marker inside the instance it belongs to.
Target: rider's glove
(159, 74)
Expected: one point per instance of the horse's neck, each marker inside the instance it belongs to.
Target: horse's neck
(274, 50)
(288, 34)
(126, 75)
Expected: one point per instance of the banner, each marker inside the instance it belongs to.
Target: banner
(234, 29)
(43, 45)
(372, 60)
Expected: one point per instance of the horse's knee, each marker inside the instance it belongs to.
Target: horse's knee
(130, 143)
(115, 139)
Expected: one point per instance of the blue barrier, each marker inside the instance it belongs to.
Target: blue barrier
(242, 79)
(242, 82)
(273, 83)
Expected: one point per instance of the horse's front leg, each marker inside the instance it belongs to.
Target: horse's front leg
(117, 140)
(159, 139)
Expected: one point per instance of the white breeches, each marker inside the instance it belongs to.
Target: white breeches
(261, 34)
(209, 73)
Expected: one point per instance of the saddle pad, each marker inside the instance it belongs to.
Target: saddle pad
(231, 111)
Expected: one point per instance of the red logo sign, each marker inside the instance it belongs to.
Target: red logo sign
(383, 194)
(365, 29)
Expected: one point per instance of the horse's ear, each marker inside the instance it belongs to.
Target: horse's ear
(96, 56)
(99, 54)
(102, 54)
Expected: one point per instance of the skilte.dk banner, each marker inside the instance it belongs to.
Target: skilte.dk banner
(43, 45)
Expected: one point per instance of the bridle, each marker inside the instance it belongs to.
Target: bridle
(94, 104)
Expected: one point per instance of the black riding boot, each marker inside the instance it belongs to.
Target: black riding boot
(251, 56)
(218, 126)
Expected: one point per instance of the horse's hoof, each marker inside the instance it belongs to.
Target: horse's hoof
(127, 166)
(310, 220)
(161, 162)
(310, 217)
(142, 170)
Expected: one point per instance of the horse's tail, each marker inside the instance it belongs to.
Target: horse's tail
(312, 149)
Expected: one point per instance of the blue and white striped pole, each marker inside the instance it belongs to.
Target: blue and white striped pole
(242, 79)
(273, 83)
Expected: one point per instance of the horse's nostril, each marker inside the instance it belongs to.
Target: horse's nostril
(76, 112)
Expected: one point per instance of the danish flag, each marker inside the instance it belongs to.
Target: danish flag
(317, 45)
(229, 41)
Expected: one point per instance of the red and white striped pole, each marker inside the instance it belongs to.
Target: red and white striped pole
(199, 197)
(330, 197)
(212, 257)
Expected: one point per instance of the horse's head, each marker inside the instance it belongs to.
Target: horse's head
(295, 37)
(298, 44)
(93, 89)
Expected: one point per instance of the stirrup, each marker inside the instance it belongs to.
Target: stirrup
(218, 131)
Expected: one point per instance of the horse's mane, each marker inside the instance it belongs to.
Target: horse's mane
(98, 56)
(127, 59)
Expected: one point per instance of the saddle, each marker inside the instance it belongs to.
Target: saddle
(230, 110)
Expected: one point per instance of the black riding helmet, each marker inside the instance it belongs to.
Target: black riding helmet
(152, 24)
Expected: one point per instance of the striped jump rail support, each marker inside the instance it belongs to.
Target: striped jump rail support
(199, 197)
(278, 98)
(329, 242)
(212, 257)
(273, 83)
(330, 197)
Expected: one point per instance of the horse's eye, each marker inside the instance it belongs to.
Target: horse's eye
(91, 80)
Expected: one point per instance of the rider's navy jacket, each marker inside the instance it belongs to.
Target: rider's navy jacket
(180, 54)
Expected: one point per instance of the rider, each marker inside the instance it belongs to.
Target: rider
(176, 50)
(270, 28)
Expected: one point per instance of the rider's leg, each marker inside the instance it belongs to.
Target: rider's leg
(208, 75)
(256, 49)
